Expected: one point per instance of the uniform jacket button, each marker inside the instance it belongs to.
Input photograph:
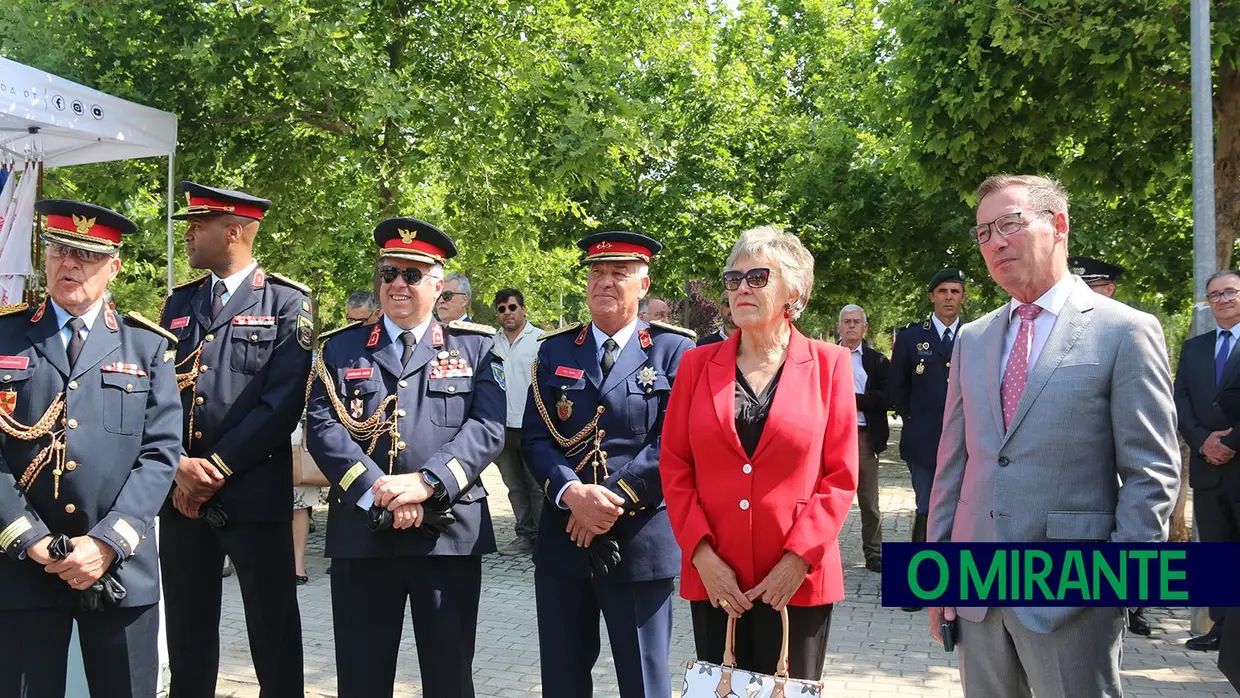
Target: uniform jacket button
(198, 435)
(73, 424)
(199, 400)
(72, 384)
(209, 338)
(404, 384)
(69, 508)
(71, 466)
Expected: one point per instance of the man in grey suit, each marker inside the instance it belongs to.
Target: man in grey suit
(1059, 426)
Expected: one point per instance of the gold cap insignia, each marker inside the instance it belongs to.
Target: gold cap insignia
(83, 224)
(604, 245)
(407, 236)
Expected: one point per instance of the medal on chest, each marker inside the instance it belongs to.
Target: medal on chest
(564, 407)
(921, 368)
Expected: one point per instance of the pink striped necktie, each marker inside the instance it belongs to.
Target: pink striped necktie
(1016, 375)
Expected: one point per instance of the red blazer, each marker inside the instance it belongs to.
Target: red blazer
(793, 495)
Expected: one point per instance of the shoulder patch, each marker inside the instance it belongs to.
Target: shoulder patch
(285, 281)
(324, 336)
(471, 328)
(137, 319)
(674, 328)
(191, 282)
(571, 327)
(12, 309)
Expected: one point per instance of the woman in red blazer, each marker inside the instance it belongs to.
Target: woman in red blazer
(759, 466)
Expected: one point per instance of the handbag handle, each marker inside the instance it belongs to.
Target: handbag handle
(729, 647)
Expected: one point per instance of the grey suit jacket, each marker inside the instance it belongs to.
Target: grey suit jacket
(1091, 453)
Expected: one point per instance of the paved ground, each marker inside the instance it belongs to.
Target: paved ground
(873, 651)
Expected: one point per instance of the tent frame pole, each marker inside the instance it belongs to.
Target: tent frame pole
(168, 218)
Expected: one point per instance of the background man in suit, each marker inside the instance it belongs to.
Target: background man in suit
(453, 302)
(870, 369)
(726, 328)
(1062, 386)
(1206, 365)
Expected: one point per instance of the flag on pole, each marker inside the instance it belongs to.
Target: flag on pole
(15, 238)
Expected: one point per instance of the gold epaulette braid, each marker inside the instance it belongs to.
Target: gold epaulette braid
(596, 457)
(54, 450)
(373, 427)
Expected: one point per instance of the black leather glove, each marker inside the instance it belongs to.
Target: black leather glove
(103, 593)
(214, 514)
(604, 554)
(378, 519)
(435, 522)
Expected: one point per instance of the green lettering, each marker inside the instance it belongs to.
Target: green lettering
(970, 577)
(1033, 576)
(1072, 576)
(1143, 558)
(944, 576)
(1102, 568)
(1015, 588)
(1167, 575)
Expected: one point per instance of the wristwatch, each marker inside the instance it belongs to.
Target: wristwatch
(432, 481)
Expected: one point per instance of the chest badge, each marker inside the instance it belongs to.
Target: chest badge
(646, 376)
(355, 408)
(8, 402)
(564, 408)
(921, 368)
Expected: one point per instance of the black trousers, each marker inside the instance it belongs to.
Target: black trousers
(1217, 513)
(193, 553)
(120, 651)
(368, 613)
(758, 635)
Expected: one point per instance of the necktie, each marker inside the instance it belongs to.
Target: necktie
(609, 356)
(1017, 372)
(75, 340)
(217, 298)
(947, 337)
(406, 338)
(1220, 361)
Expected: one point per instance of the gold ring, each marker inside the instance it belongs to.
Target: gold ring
(723, 603)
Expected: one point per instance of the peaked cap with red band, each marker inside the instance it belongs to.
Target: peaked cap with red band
(618, 246)
(415, 240)
(209, 201)
(83, 226)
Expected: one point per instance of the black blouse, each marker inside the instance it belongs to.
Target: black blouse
(752, 410)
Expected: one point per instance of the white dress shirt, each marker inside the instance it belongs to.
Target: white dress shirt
(1051, 304)
(63, 317)
(232, 283)
(517, 359)
(859, 379)
(939, 326)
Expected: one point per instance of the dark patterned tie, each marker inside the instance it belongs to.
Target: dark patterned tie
(1220, 361)
(75, 340)
(609, 355)
(406, 338)
(947, 338)
(217, 298)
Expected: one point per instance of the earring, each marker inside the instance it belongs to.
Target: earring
(787, 311)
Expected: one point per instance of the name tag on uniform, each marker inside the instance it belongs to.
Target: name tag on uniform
(14, 363)
(129, 369)
(254, 320)
(357, 373)
(567, 372)
(179, 322)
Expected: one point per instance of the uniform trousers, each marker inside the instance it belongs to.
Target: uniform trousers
(262, 554)
(120, 651)
(867, 498)
(368, 613)
(922, 477)
(639, 626)
(759, 633)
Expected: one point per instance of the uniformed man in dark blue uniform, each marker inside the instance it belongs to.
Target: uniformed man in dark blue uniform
(243, 357)
(89, 439)
(404, 415)
(591, 438)
(920, 361)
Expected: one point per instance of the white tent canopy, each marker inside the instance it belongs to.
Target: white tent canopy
(47, 118)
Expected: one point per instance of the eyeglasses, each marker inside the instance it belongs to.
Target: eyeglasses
(447, 296)
(412, 275)
(511, 308)
(58, 251)
(1007, 224)
(754, 278)
(1223, 296)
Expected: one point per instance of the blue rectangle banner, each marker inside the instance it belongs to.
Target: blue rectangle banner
(1061, 574)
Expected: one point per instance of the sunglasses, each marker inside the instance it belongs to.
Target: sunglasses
(58, 251)
(511, 308)
(754, 278)
(449, 295)
(412, 275)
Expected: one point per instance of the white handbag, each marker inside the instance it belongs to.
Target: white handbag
(706, 680)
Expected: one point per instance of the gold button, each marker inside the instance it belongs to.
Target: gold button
(198, 400)
(452, 388)
(73, 424)
(129, 387)
(209, 338)
(72, 384)
(949, 364)
(71, 466)
(400, 413)
(357, 392)
(404, 384)
(204, 368)
(253, 338)
(198, 435)
(400, 445)
(8, 377)
(69, 508)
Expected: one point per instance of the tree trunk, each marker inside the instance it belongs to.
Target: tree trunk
(1227, 161)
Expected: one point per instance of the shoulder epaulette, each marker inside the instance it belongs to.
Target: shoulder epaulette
(12, 309)
(472, 328)
(278, 278)
(324, 336)
(191, 282)
(141, 321)
(674, 328)
(571, 327)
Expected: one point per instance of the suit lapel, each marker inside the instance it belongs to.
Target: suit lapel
(992, 340)
(385, 353)
(100, 342)
(796, 372)
(631, 358)
(200, 305)
(936, 341)
(423, 351)
(586, 354)
(721, 377)
(44, 335)
(1233, 359)
(1069, 326)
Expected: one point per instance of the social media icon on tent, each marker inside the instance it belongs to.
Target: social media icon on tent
(96, 111)
(78, 107)
(58, 101)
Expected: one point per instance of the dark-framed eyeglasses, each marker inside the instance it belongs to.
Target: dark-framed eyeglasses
(56, 250)
(412, 275)
(757, 277)
(510, 308)
(1223, 296)
(1007, 224)
(447, 296)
